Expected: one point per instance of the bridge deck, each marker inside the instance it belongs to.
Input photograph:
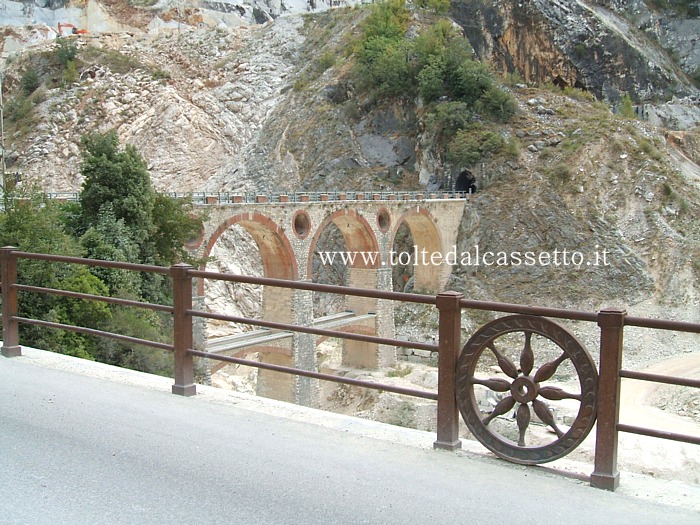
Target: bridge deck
(266, 336)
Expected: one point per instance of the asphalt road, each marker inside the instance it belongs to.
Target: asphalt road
(79, 450)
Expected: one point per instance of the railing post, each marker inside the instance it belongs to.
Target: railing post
(10, 327)
(605, 474)
(450, 329)
(182, 330)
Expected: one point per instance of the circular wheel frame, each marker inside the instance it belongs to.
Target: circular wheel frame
(524, 386)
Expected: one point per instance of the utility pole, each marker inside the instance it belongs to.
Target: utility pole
(2, 140)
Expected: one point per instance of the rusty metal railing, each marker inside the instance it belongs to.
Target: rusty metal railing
(611, 323)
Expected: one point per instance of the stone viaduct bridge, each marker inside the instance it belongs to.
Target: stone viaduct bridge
(287, 228)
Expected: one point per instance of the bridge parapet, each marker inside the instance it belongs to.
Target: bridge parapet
(319, 196)
(203, 197)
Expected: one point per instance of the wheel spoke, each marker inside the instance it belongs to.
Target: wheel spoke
(503, 406)
(543, 412)
(495, 384)
(554, 393)
(528, 352)
(523, 419)
(504, 362)
(547, 370)
(527, 358)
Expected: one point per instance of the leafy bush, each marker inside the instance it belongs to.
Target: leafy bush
(66, 51)
(115, 184)
(497, 104)
(471, 80)
(18, 108)
(29, 82)
(579, 94)
(388, 19)
(439, 66)
(70, 74)
(114, 60)
(384, 66)
(439, 7)
(326, 61)
(449, 117)
(437, 63)
(561, 171)
(626, 107)
(469, 147)
(431, 79)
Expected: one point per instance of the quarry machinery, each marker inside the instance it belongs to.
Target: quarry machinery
(70, 29)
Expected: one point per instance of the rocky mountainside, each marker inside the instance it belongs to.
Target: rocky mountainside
(217, 104)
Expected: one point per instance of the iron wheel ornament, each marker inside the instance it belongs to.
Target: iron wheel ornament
(523, 391)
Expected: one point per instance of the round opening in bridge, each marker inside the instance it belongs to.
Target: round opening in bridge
(196, 240)
(466, 182)
(301, 224)
(383, 220)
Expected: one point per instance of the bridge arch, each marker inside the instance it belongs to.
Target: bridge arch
(275, 249)
(427, 239)
(358, 235)
(277, 256)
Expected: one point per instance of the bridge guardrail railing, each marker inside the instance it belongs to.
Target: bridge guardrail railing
(454, 361)
(222, 197)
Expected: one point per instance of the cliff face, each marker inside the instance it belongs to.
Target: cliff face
(579, 44)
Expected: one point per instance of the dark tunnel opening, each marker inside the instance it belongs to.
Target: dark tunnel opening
(466, 182)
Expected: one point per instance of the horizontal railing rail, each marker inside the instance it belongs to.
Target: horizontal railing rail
(318, 375)
(315, 331)
(92, 297)
(611, 323)
(93, 331)
(317, 287)
(221, 197)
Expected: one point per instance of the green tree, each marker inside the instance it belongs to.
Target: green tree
(82, 312)
(29, 82)
(388, 19)
(470, 80)
(431, 79)
(141, 324)
(118, 195)
(110, 240)
(385, 67)
(626, 106)
(70, 73)
(118, 177)
(76, 312)
(382, 51)
(66, 51)
(448, 118)
(175, 224)
(34, 223)
(19, 108)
